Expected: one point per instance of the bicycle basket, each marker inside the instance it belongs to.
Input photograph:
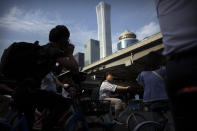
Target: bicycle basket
(95, 107)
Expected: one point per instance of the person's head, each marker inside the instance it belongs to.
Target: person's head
(153, 61)
(109, 76)
(59, 36)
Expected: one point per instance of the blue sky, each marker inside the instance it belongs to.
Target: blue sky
(30, 20)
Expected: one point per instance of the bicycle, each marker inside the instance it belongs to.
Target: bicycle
(85, 108)
(14, 120)
(131, 113)
(161, 124)
(135, 118)
(41, 117)
(99, 108)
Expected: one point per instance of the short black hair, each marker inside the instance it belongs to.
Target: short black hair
(108, 73)
(60, 31)
(154, 60)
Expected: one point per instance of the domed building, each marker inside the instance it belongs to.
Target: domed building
(126, 39)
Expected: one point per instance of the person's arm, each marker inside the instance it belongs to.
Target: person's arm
(58, 83)
(122, 87)
(140, 79)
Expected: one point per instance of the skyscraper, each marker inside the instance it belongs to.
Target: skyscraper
(92, 52)
(104, 28)
(79, 57)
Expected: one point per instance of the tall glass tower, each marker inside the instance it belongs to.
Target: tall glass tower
(104, 29)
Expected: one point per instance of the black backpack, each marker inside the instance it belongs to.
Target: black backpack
(28, 60)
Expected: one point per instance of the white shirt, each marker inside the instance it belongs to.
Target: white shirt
(64, 92)
(48, 83)
(106, 89)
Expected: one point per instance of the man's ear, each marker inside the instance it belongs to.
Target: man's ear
(106, 77)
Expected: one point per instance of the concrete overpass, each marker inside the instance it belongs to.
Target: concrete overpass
(127, 63)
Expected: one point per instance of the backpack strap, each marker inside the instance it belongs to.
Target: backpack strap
(158, 75)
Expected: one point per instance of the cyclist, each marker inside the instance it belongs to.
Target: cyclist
(106, 90)
(32, 68)
(153, 81)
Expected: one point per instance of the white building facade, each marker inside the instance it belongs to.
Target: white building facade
(103, 11)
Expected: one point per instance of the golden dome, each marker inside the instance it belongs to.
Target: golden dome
(127, 34)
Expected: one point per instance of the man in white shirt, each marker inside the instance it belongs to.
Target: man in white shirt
(106, 90)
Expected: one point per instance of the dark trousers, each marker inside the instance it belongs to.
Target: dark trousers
(27, 102)
(182, 72)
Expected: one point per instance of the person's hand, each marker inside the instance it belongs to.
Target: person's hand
(128, 87)
(59, 83)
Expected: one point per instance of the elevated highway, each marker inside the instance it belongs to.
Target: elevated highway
(126, 63)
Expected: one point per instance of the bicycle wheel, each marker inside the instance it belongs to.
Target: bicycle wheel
(98, 125)
(73, 124)
(133, 120)
(77, 125)
(148, 126)
(69, 124)
(169, 127)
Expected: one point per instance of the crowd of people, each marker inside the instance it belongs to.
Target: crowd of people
(32, 67)
(179, 29)
(29, 72)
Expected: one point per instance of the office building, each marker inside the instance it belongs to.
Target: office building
(79, 57)
(92, 52)
(104, 28)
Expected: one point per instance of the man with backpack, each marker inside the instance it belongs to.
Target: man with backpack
(153, 80)
(28, 63)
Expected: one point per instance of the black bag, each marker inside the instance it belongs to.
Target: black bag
(28, 60)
